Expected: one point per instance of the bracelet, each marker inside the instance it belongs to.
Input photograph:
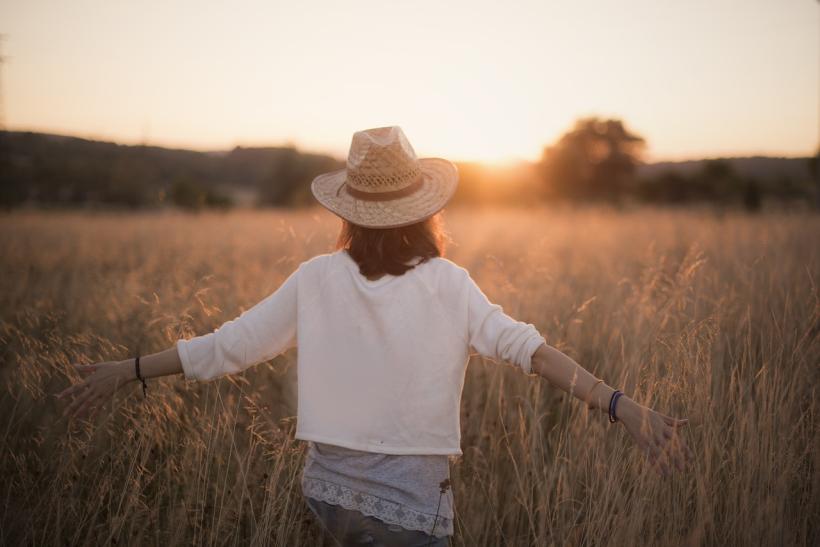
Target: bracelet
(612, 402)
(139, 376)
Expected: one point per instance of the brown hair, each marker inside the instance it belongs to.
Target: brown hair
(379, 251)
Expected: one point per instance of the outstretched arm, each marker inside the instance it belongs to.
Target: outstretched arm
(492, 332)
(259, 334)
(102, 380)
(656, 434)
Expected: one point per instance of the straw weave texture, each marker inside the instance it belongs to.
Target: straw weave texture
(382, 160)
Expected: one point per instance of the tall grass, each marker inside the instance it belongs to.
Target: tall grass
(715, 318)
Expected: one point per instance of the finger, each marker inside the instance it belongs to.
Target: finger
(681, 453)
(680, 463)
(654, 452)
(76, 393)
(70, 409)
(69, 390)
(666, 419)
(103, 402)
(86, 369)
(660, 440)
(657, 464)
(668, 464)
(674, 457)
(87, 404)
(688, 454)
(646, 450)
(658, 444)
(680, 446)
(85, 410)
(677, 422)
(94, 411)
(667, 461)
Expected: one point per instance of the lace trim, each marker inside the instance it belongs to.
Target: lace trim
(374, 506)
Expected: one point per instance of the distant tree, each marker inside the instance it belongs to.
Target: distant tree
(291, 175)
(188, 194)
(716, 170)
(719, 182)
(751, 195)
(668, 187)
(594, 160)
(716, 180)
(12, 191)
(218, 201)
(288, 171)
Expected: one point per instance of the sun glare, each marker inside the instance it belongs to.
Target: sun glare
(490, 83)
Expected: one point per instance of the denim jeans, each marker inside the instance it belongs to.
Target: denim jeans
(353, 529)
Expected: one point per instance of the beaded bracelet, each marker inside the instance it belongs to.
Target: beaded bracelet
(612, 402)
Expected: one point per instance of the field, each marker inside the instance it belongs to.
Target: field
(706, 316)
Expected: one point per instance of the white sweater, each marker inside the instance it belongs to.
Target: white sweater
(380, 364)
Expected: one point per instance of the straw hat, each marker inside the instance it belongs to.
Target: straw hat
(384, 184)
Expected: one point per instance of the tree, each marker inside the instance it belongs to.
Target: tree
(596, 159)
(290, 177)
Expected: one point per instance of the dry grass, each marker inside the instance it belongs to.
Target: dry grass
(714, 318)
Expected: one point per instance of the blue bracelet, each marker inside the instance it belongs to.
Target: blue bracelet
(612, 402)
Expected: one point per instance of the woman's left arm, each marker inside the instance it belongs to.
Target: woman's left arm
(656, 434)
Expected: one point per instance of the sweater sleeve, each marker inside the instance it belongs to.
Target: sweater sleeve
(495, 334)
(257, 335)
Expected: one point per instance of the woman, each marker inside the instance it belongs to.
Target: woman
(384, 326)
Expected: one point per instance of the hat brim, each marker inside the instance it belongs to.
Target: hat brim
(439, 182)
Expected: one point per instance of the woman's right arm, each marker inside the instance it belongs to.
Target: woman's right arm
(258, 334)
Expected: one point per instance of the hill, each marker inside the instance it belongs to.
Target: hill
(760, 167)
(63, 170)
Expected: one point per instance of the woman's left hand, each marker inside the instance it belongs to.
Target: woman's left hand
(100, 382)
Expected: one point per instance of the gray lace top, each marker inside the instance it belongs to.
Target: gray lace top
(397, 489)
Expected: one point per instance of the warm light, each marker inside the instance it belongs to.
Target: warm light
(465, 79)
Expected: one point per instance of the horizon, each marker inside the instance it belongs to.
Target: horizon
(488, 164)
(488, 85)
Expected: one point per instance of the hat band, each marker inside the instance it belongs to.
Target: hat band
(384, 196)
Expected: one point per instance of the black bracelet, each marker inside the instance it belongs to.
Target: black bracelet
(612, 402)
(139, 376)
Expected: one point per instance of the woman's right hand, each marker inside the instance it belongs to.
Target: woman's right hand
(100, 382)
(656, 434)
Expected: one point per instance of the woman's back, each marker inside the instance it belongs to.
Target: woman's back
(380, 363)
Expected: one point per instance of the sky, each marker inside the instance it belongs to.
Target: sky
(466, 80)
